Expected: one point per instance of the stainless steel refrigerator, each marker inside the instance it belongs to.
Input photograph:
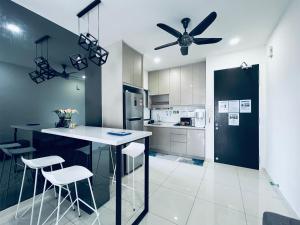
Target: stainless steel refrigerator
(133, 117)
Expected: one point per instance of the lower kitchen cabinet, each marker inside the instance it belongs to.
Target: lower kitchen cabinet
(196, 143)
(181, 142)
(160, 139)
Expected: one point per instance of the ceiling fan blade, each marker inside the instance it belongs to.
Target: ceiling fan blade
(204, 24)
(166, 45)
(205, 41)
(170, 30)
(184, 50)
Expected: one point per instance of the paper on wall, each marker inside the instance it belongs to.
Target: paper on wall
(223, 106)
(233, 119)
(234, 106)
(245, 106)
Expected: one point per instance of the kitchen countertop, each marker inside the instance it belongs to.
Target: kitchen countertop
(171, 125)
(98, 134)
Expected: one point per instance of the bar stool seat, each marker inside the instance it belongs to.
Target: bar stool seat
(64, 177)
(10, 145)
(134, 149)
(43, 162)
(18, 151)
(37, 164)
(67, 175)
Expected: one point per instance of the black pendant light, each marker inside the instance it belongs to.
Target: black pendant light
(79, 62)
(97, 54)
(36, 77)
(43, 70)
(87, 41)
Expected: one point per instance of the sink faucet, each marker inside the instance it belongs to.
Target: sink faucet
(158, 117)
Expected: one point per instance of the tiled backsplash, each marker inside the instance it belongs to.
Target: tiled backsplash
(173, 115)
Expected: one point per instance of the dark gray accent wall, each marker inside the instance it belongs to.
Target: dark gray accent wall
(22, 101)
(93, 99)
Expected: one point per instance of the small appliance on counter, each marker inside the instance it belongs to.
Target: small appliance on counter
(200, 118)
(186, 121)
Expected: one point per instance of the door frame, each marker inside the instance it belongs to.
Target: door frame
(212, 116)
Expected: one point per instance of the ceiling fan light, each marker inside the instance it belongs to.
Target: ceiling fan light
(87, 41)
(98, 55)
(37, 77)
(78, 61)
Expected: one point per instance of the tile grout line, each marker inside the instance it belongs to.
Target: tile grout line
(196, 196)
(242, 196)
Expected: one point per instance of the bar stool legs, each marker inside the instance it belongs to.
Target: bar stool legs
(54, 177)
(34, 193)
(77, 201)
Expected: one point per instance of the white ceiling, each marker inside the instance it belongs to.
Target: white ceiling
(134, 21)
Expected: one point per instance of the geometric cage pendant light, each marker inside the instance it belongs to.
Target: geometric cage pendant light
(88, 42)
(97, 54)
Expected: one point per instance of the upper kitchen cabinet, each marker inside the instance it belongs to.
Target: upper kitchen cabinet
(153, 78)
(185, 85)
(186, 80)
(174, 86)
(132, 66)
(199, 83)
(164, 82)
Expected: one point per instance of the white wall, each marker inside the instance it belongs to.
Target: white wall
(283, 102)
(112, 92)
(253, 56)
(22, 101)
(145, 79)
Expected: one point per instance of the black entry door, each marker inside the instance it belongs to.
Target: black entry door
(236, 129)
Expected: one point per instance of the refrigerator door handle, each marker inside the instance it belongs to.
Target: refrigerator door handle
(134, 119)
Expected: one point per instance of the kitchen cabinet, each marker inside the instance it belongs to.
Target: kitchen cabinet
(153, 82)
(132, 66)
(186, 91)
(164, 82)
(138, 70)
(186, 85)
(199, 84)
(196, 143)
(178, 141)
(174, 97)
(160, 139)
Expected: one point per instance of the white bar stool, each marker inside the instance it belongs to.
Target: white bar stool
(64, 177)
(37, 164)
(133, 150)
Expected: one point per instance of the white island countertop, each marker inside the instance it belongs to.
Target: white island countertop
(99, 134)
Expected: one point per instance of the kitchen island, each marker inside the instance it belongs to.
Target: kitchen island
(100, 135)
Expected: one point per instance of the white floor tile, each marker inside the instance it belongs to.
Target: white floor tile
(220, 194)
(207, 213)
(185, 179)
(215, 194)
(253, 220)
(256, 205)
(171, 205)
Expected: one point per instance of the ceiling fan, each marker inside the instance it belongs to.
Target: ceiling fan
(186, 39)
(64, 73)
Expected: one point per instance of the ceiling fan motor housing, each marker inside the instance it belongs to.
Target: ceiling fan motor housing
(185, 40)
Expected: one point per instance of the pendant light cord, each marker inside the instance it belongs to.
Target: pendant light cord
(88, 22)
(98, 23)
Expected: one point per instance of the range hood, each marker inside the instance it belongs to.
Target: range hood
(159, 101)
